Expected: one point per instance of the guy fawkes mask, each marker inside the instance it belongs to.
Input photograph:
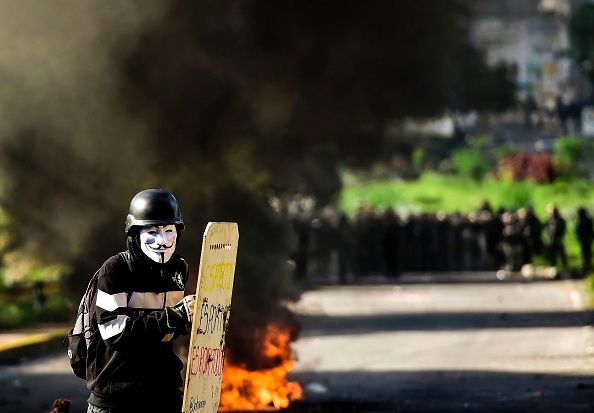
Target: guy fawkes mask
(158, 242)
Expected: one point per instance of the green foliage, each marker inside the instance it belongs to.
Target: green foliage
(16, 315)
(504, 150)
(419, 159)
(455, 193)
(21, 267)
(57, 309)
(470, 163)
(479, 143)
(571, 154)
(581, 38)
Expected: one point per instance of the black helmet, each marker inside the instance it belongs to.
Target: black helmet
(153, 207)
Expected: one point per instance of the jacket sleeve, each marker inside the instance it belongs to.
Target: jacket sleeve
(119, 325)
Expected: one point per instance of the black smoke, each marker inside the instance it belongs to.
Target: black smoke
(222, 102)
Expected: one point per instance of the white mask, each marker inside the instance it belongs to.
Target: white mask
(158, 242)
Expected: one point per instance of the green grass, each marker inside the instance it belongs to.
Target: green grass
(433, 192)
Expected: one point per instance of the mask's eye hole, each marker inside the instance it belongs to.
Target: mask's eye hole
(152, 232)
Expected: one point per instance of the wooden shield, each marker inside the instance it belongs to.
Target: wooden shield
(206, 354)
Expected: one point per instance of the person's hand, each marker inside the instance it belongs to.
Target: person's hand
(185, 308)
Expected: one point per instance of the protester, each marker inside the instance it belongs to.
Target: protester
(140, 309)
(389, 243)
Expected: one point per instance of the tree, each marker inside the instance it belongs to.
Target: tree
(573, 156)
(581, 38)
(470, 163)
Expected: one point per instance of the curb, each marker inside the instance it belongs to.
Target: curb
(32, 345)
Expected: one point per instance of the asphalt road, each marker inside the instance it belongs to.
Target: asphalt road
(425, 344)
(31, 387)
(448, 344)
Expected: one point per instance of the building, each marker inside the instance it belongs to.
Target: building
(532, 36)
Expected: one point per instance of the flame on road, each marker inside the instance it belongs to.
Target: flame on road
(243, 389)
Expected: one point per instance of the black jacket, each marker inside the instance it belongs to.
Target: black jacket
(131, 361)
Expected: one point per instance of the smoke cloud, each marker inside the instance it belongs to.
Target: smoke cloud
(85, 123)
(70, 157)
(222, 102)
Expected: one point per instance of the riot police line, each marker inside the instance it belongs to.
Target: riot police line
(329, 243)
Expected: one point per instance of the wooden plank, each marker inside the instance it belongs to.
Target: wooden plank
(206, 354)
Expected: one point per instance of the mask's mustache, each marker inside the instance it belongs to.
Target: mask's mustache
(161, 247)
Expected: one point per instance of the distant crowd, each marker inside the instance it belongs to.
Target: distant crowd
(386, 243)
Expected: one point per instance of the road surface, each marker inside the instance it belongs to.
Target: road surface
(31, 387)
(422, 344)
(448, 344)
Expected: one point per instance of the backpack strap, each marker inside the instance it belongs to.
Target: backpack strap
(91, 290)
(125, 255)
(87, 302)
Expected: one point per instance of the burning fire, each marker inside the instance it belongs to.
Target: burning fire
(243, 389)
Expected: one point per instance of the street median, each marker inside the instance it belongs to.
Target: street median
(20, 345)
